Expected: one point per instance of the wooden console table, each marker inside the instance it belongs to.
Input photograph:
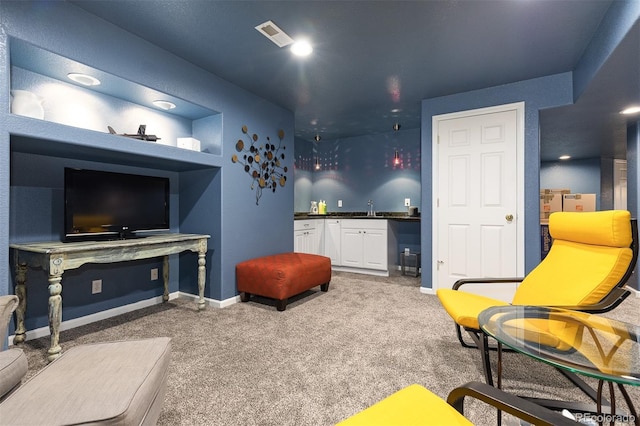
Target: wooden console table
(55, 257)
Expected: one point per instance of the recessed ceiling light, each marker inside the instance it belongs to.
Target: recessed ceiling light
(166, 105)
(83, 79)
(631, 110)
(301, 48)
(396, 110)
(564, 157)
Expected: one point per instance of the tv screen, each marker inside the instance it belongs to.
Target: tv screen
(107, 205)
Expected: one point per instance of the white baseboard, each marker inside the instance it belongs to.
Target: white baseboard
(360, 271)
(99, 316)
(213, 302)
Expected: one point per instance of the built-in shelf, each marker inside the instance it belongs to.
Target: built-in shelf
(116, 102)
(41, 137)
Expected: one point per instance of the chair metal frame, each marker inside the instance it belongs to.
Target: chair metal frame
(524, 409)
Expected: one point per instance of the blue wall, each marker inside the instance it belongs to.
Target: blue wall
(212, 195)
(580, 176)
(359, 169)
(545, 92)
(537, 94)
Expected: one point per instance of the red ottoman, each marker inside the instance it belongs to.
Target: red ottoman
(281, 276)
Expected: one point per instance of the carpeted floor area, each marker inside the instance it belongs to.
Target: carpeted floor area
(325, 358)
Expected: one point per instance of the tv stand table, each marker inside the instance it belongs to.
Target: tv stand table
(55, 257)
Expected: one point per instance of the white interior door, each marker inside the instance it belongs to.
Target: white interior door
(620, 184)
(477, 187)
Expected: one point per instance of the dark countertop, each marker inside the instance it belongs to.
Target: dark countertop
(401, 216)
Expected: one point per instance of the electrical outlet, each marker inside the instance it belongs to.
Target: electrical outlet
(154, 274)
(339, 203)
(407, 202)
(96, 286)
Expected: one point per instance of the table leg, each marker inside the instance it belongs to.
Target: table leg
(21, 292)
(202, 272)
(499, 379)
(55, 315)
(632, 408)
(165, 277)
(484, 350)
(499, 373)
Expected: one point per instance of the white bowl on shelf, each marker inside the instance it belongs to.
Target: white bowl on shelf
(27, 104)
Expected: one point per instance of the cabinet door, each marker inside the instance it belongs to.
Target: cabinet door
(298, 241)
(332, 241)
(351, 247)
(317, 245)
(375, 249)
(311, 245)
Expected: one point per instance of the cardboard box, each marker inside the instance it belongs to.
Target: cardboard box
(550, 201)
(189, 143)
(579, 203)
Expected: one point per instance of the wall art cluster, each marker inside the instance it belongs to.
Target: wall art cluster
(262, 162)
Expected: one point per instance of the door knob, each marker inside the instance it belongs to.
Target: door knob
(509, 217)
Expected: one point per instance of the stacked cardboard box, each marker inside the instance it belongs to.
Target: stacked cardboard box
(579, 202)
(551, 201)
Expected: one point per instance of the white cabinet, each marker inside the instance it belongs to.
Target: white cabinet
(332, 246)
(307, 236)
(364, 244)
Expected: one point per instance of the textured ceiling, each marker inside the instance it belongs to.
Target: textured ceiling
(373, 57)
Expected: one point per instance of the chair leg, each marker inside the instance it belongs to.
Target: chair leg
(462, 342)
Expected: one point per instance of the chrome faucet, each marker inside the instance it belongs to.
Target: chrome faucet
(370, 212)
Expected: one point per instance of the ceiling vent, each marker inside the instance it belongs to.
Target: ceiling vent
(275, 34)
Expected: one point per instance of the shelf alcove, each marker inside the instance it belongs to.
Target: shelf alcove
(74, 133)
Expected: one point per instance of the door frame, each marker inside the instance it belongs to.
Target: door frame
(519, 107)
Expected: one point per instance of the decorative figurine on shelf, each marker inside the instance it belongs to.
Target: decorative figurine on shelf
(262, 162)
(141, 135)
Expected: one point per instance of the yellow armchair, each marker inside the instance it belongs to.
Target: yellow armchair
(591, 259)
(417, 406)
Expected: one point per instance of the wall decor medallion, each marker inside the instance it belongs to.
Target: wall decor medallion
(262, 162)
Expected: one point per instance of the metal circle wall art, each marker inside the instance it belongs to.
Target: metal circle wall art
(262, 162)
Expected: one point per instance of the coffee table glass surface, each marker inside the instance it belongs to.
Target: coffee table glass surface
(583, 343)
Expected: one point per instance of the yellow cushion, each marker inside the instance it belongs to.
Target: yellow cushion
(411, 406)
(604, 228)
(465, 307)
(573, 274)
(589, 255)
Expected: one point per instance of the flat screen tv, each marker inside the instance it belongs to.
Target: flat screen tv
(101, 205)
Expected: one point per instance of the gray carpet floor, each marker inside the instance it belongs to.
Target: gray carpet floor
(325, 358)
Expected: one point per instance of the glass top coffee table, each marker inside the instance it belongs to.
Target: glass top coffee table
(576, 342)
